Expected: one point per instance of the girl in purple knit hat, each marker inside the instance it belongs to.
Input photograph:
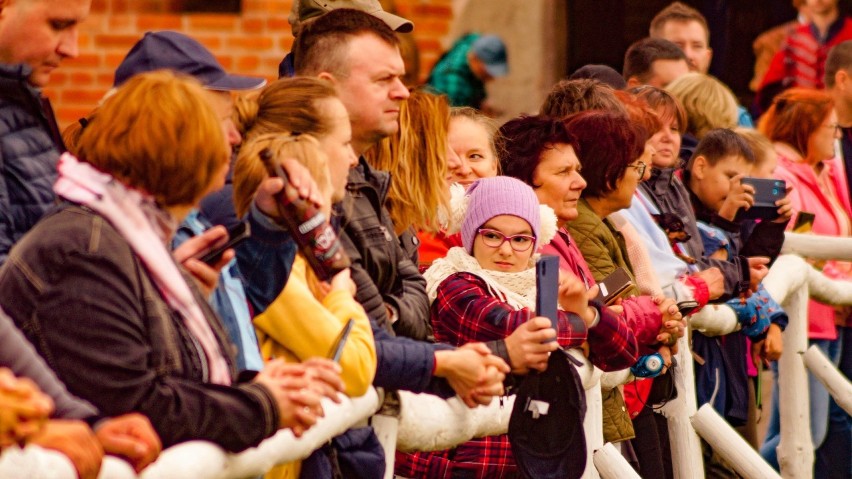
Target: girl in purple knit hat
(485, 291)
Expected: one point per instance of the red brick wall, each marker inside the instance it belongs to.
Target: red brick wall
(251, 43)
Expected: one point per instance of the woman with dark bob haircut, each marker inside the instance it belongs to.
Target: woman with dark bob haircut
(96, 290)
(544, 153)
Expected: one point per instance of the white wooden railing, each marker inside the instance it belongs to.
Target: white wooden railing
(428, 423)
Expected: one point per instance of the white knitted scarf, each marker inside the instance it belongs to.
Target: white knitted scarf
(141, 223)
(515, 289)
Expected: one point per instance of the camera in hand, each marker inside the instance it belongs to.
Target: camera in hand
(309, 226)
(648, 366)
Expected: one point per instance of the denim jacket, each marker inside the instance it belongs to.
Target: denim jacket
(76, 289)
(228, 299)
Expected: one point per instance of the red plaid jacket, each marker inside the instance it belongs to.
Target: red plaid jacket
(464, 311)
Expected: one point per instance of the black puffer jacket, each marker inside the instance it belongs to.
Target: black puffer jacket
(29, 149)
(381, 269)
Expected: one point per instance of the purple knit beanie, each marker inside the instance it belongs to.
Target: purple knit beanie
(499, 195)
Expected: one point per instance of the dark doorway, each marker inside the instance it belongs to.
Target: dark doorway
(599, 31)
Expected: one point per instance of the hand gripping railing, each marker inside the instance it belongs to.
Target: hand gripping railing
(428, 423)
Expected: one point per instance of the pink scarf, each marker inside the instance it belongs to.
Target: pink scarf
(143, 225)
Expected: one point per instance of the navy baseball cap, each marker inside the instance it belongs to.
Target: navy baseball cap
(491, 51)
(175, 51)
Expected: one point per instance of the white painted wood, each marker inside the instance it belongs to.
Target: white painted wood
(687, 462)
(817, 246)
(612, 465)
(201, 459)
(795, 451)
(834, 381)
(730, 445)
(714, 320)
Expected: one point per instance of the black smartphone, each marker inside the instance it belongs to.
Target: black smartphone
(340, 342)
(236, 234)
(766, 192)
(804, 222)
(614, 286)
(687, 307)
(547, 288)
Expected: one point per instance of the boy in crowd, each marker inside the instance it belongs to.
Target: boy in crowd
(713, 177)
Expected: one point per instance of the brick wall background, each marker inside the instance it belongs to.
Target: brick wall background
(252, 42)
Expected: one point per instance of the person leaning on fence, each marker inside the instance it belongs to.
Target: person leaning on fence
(358, 55)
(152, 344)
(311, 106)
(486, 290)
(307, 318)
(724, 375)
(802, 124)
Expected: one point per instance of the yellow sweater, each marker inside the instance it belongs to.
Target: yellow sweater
(296, 326)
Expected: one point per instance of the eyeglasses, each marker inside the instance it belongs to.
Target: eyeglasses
(835, 127)
(495, 239)
(640, 168)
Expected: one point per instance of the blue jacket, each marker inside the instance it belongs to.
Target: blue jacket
(29, 149)
(228, 299)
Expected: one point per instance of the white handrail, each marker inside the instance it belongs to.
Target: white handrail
(730, 445)
(790, 282)
(837, 385)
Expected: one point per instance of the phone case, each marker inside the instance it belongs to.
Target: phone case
(804, 222)
(547, 287)
(340, 342)
(236, 234)
(766, 193)
(613, 286)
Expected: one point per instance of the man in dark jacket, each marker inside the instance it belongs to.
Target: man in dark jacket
(35, 36)
(358, 54)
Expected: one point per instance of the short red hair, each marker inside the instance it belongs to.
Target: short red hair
(795, 115)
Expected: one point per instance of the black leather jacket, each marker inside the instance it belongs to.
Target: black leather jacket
(381, 269)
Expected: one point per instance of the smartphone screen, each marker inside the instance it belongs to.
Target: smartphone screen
(547, 287)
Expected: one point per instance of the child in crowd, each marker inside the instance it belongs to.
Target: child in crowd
(713, 177)
(486, 289)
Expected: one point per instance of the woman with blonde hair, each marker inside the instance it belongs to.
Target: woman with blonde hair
(387, 285)
(416, 158)
(308, 316)
(133, 333)
(708, 103)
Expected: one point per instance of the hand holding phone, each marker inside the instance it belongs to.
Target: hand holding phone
(236, 235)
(767, 191)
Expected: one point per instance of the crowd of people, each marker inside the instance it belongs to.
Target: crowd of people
(126, 327)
